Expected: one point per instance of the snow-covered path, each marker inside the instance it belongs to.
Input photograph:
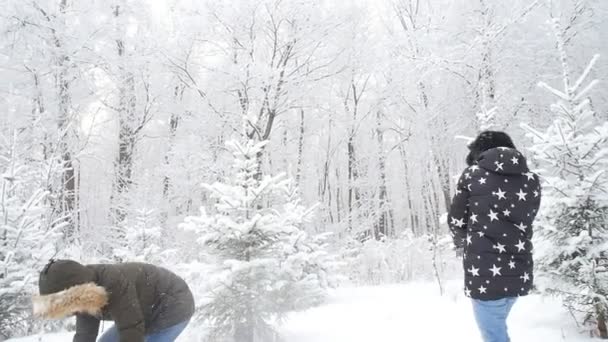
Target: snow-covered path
(411, 312)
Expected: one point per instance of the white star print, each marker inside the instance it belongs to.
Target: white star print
(515, 161)
(501, 194)
(469, 187)
(474, 218)
(493, 216)
(495, 270)
(467, 292)
(482, 180)
(481, 234)
(500, 247)
(474, 168)
(521, 246)
(469, 239)
(467, 176)
(507, 212)
(522, 195)
(525, 277)
(474, 271)
(521, 227)
(530, 175)
(482, 289)
(512, 264)
(458, 223)
(535, 193)
(499, 166)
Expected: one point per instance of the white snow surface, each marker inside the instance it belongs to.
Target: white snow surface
(405, 312)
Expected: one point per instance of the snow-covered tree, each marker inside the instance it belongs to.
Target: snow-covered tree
(486, 118)
(265, 264)
(142, 237)
(572, 238)
(27, 238)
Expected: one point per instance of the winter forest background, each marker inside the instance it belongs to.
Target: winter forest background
(322, 140)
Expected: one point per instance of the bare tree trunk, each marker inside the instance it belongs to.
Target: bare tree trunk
(412, 219)
(435, 246)
(443, 172)
(126, 134)
(384, 227)
(353, 174)
(601, 322)
(300, 149)
(324, 186)
(353, 193)
(67, 194)
(485, 93)
(173, 124)
(338, 197)
(64, 206)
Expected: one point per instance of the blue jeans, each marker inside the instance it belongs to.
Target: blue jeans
(491, 317)
(166, 335)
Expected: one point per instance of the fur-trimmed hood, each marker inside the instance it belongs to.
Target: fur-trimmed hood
(86, 298)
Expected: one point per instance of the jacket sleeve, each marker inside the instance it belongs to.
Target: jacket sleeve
(87, 328)
(125, 308)
(459, 211)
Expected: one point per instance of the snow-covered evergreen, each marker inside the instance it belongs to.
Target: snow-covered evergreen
(26, 239)
(572, 238)
(265, 264)
(142, 238)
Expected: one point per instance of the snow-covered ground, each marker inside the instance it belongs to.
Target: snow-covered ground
(410, 312)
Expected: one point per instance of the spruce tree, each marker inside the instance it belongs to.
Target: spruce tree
(572, 238)
(27, 237)
(265, 265)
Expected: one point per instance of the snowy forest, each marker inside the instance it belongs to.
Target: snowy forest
(281, 155)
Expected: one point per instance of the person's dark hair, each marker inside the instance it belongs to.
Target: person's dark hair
(487, 140)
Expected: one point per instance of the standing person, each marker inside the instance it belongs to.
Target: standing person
(491, 218)
(146, 302)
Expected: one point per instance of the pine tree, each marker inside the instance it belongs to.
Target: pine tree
(142, 237)
(572, 238)
(27, 240)
(265, 264)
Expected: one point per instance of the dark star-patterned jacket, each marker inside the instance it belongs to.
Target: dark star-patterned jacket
(491, 217)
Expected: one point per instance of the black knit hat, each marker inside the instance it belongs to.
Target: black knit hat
(488, 140)
(59, 275)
